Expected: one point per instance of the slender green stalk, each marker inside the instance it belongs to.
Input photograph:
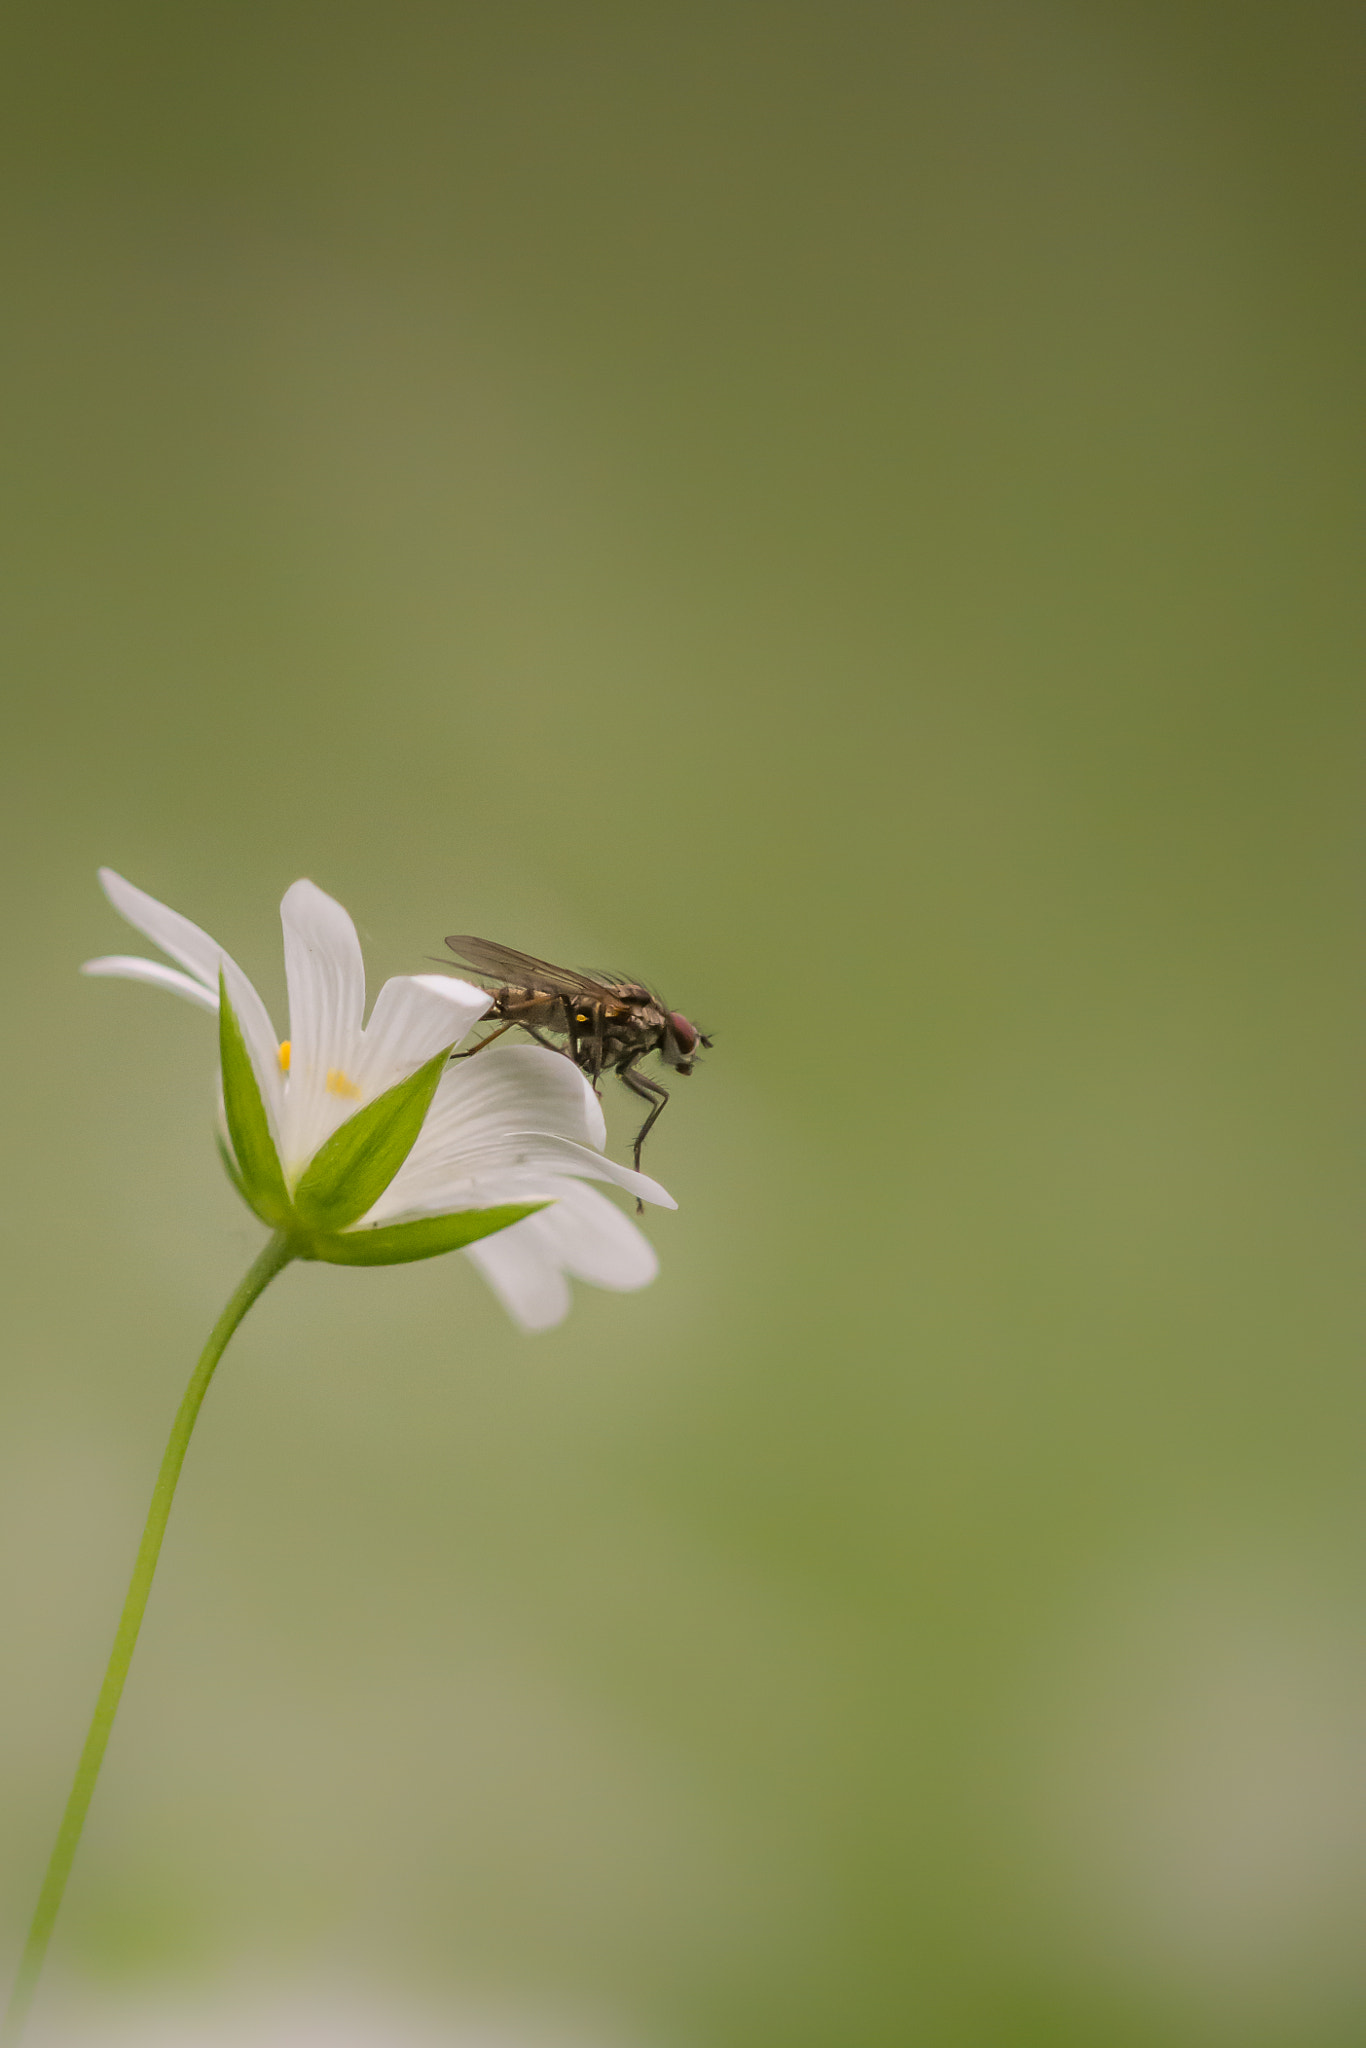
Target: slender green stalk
(276, 1255)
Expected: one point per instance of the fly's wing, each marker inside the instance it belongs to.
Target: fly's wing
(520, 970)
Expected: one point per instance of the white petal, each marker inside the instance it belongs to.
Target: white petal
(127, 967)
(326, 980)
(194, 949)
(432, 1181)
(166, 928)
(530, 1286)
(516, 1088)
(406, 1199)
(591, 1239)
(514, 1109)
(558, 1155)
(581, 1234)
(414, 1016)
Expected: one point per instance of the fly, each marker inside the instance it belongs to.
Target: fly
(607, 1023)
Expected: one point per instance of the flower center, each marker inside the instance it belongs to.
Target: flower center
(284, 1055)
(339, 1083)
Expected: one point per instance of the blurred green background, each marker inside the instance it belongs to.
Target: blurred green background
(847, 512)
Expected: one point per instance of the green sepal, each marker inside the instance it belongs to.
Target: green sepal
(395, 1244)
(348, 1174)
(259, 1174)
(230, 1166)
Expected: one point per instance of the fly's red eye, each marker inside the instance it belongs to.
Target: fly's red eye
(683, 1032)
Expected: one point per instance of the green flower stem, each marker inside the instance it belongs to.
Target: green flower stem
(276, 1255)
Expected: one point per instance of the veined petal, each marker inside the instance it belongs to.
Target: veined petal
(515, 1088)
(531, 1287)
(581, 1234)
(435, 1178)
(595, 1242)
(477, 1191)
(166, 928)
(414, 1016)
(558, 1155)
(326, 981)
(128, 967)
(204, 957)
(512, 1109)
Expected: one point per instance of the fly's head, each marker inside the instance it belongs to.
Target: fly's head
(681, 1040)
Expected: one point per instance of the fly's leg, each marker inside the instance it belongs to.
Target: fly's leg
(651, 1091)
(513, 1023)
(469, 1055)
(532, 1032)
(599, 1028)
(588, 1062)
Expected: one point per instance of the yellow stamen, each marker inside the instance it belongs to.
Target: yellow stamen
(339, 1083)
(284, 1055)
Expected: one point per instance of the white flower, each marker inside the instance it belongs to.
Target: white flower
(517, 1125)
